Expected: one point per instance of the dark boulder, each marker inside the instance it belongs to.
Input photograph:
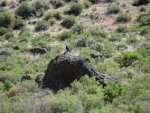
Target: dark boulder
(38, 51)
(64, 69)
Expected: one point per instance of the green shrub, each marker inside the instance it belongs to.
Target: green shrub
(57, 3)
(57, 15)
(6, 51)
(121, 46)
(6, 19)
(127, 58)
(113, 9)
(93, 97)
(40, 5)
(3, 30)
(97, 46)
(112, 91)
(76, 8)
(116, 37)
(145, 30)
(25, 37)
(69, 21)
(18, 23)
(123, 17)
(144, 19)
(82, 41)
(132, 40)
(109, 67)
(52, 21)
(96, 32)
(122, 29)
(41, 25)
(78, 28)
(144, 49)
(42, 40)
(140, 2)
(85, 41)
(87, 3)
(108, 50)
(64, 35)
(24, 10)
(9, 35)
(48, 16)
(7, 85)
(135, 95)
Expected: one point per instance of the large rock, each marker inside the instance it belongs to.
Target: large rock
(64, 69)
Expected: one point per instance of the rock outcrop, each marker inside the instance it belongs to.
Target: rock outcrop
(64, 69)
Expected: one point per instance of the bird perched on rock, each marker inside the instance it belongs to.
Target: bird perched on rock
(68, 50)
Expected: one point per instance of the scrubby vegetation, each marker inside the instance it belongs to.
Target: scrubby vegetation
(118, 31)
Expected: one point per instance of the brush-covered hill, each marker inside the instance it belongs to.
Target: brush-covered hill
(113, 34)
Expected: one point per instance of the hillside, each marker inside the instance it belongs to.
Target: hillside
(32, 32)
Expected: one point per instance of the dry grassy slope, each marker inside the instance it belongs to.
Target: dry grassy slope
(106, 22)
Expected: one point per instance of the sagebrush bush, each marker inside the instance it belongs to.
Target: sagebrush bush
(6, 19)
(25, 37)
(24, 10)
(57, 15)
(3, 30)
(64, 35)
(85, 41)
(48, 16)
(137, 92)
(144, 19)
(7, 85)
(76, 8)
(78, 28)
(5, 51)
(145, 30)
(57, 3)
(123, 17)
(121, 46)
(116, 37)
(108, 50)
(69, 21)
(97, 46)
(52, 21)
(96, 32)
(113, 9)
(18, 23)
(144, 49)
(122, 29)
(87, 3)
(39, 5)
(41, 25)
(109, 67)
(132, 40)
(113, 90)
(42, 40)
(140, 2)
(126, 59)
